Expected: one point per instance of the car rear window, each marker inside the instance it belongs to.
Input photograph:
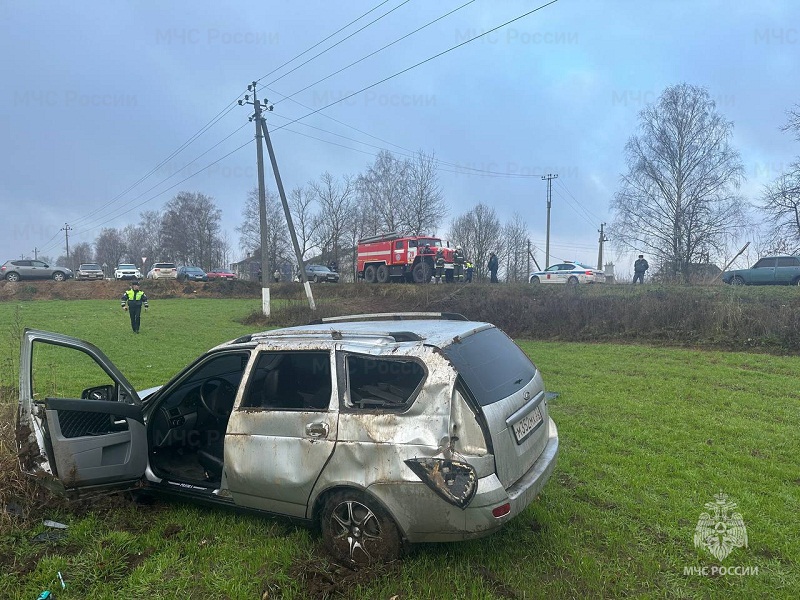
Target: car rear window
(164, 266)
(491, 364)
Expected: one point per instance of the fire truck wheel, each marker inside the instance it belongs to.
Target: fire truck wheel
(369, 274)
(382, 274)
(421, 273)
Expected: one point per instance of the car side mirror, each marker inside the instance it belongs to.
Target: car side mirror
(99, 392)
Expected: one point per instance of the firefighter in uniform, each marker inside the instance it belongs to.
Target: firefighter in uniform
(132, 301)
(458, 264)
(469, 269)
(439, 265)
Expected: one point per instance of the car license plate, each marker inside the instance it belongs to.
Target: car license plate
(527, 424)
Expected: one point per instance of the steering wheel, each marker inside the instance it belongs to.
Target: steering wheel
(217, 396)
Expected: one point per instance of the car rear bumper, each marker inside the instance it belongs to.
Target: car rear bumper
(426, 519)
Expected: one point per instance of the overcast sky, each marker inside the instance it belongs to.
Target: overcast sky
(95, 95)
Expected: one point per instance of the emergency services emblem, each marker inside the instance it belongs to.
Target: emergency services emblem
(720, 530)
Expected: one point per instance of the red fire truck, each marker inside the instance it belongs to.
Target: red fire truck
(394, 257)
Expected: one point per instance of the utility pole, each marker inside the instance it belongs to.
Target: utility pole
(262, 131)
(262, 202)
(66, 229)
(35, 253)
(528, 265)
(603, 238)
(549, 178)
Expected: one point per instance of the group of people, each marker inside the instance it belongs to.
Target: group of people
(462, 270)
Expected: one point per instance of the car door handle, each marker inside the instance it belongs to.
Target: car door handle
(317, 430)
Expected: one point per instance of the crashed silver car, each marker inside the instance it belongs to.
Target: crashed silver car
(384, 430)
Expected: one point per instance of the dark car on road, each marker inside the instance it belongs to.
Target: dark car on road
(14, 270)
(192, 274)
(770, 270)
(319, 273)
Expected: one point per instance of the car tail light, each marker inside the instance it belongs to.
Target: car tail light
(501, 511)
(588, 272)
(453, 480)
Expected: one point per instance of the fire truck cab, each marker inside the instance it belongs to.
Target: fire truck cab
(394, 257)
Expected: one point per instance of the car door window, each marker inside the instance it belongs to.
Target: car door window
(382, 384)
(764, 263)
(788, 261)
(299, 380)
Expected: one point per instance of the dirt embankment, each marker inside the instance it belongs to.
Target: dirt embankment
(103, 290)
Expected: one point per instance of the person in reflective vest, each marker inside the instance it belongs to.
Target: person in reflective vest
(469, 268)
(439, 265)
(458, 263)
(132, 301)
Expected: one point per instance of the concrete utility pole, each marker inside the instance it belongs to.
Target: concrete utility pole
(549, 177)
(262, 201)
(262, 131)
(603, 238)
(66, 229)
(35, 253)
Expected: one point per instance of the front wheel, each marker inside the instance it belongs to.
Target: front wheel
(572, 280)
(58, 276)
(737, 281)
(535, 279)
(358, 531)
(316, 278)
(421, 273)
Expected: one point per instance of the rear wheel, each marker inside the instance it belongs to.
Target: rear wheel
(58, 276)
(357, 530)
(572, 280)
(382, 275)
(369, 274)
(12, 277)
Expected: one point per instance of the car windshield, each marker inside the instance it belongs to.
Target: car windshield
(193, 270)
(126, 267)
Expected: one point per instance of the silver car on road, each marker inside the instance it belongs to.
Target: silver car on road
(384, 430)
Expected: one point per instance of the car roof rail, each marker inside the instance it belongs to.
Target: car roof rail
(394, 316)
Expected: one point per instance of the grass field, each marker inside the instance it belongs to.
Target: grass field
(648, 436)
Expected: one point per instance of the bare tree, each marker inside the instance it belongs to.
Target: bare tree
(781, 201)
(301, 205)
(515, 256)
(110, 248)
(479, 233)
(279, 249)
(337, 206)
(678, 201)
(384, 191)
(190, 229)
(424, 208)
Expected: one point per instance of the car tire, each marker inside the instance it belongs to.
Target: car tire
(12, 277)
(572, 280)
(369, 274)
(382, 274)
(535, 279)
(58, 276)
(737, 280)
(316, 278)
(796, 281)
(357, 530)
(421, 273)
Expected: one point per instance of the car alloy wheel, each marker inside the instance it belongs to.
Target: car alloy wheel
(357, 530)
(13, 276)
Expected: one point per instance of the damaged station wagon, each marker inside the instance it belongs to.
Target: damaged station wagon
(383, 430)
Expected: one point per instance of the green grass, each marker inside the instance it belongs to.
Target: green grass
(648, 436)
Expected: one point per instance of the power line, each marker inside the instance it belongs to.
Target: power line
(330, 47)
(594, 218)
(429, 59)
(363, 58)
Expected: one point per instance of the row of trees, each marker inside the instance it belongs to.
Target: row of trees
(331, 214)
(679, 200)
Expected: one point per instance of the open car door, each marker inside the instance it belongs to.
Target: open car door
(80, 425)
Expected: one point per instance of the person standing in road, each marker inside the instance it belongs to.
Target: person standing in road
(439, 272)
(458, 263)
(132, 301)
(493, 265)
(639, 268)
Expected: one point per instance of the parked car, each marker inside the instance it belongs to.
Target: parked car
(127, 271)
(571, 273)
(89, 271)
(221, 274)
(14, 270)
(163, 271)
(320, 273)
(770, 270)
(384, 430)
(191, 274)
